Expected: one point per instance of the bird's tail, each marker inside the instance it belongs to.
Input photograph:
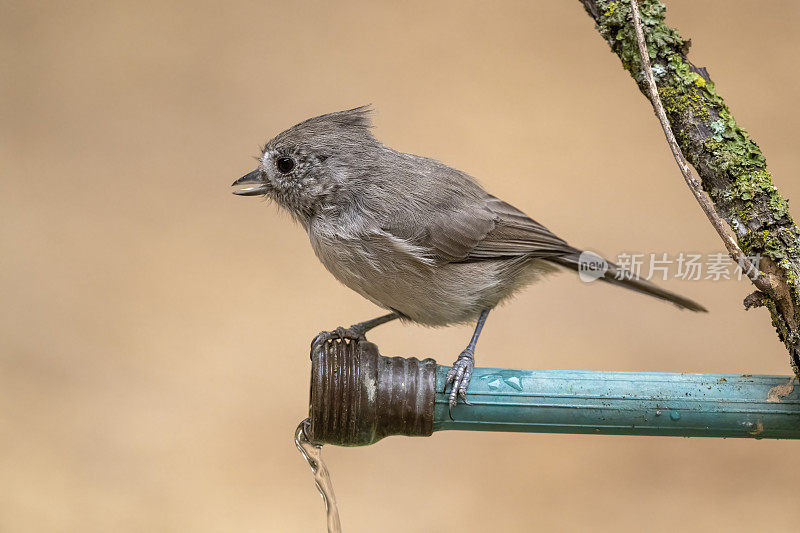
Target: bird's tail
(595, 267)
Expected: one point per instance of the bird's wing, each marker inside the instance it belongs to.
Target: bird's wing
(478, 230)
(516, 234)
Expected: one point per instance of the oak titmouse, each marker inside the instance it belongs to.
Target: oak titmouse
(410, 234)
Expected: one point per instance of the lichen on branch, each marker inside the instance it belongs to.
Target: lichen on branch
(732, 169)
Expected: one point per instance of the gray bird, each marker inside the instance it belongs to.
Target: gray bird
(409, 233)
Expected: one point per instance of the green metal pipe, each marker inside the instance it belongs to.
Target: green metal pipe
(624, 403)
(359, 397)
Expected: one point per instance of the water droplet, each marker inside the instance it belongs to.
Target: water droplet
(675, 415)
(658, 412)
(514, 382)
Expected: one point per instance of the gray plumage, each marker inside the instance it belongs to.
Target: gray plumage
(407, 232)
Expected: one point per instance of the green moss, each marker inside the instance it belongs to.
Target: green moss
(763, 242)
(774, 245)
(748, 186)
(684, 75)
(779, 206)
(689, 99)
(791, 276)
(756, 185)
(679, 100)
(615, 28)
(683, 91)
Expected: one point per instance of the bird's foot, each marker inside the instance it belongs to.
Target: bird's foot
(458, 376)
(355, 333)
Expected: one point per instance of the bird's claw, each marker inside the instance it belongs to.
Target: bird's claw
(459, 376)
(354, 333)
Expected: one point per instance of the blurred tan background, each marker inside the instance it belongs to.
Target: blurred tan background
(154, 328)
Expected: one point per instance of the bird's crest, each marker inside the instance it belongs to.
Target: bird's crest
(339, 126)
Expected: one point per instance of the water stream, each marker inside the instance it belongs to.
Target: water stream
(313, 454)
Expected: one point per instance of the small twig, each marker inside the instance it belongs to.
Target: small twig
(694, 185)
(754, 300)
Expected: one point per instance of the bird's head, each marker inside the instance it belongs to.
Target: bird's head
(310, 166)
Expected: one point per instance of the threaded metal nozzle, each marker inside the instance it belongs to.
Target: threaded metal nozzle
(358, 396)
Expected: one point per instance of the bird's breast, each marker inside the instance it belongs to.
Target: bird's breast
(395, 274)
(368, 260)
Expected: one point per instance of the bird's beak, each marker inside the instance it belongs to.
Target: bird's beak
(252, 177)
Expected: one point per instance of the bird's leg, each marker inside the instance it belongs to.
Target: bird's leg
(356, 332)
(461, 372)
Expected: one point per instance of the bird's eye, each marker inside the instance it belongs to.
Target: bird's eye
(285, 164)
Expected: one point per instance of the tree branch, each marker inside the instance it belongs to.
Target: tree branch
(730, 165)
(705, 204)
